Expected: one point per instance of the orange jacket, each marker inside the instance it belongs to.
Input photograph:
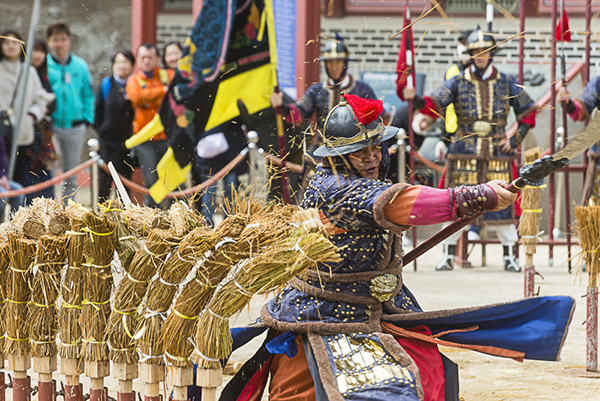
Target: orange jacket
(145, 95)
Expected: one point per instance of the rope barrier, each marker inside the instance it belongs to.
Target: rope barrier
(289, 165)
(190, 191)
(140, 188)
(50, 182)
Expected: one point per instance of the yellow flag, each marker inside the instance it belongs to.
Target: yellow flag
(170, 176)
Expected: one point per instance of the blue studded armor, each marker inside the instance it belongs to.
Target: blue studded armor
(347, 296)
(482, 110)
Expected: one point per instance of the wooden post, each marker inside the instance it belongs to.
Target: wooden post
(179, 379)
(152, 375)
(209, 380)
(20, 364)
(44, 367)
(125, 373)
(591, 364)
(529, 272)
(2, 379)
(72, 369)
(97, 371)
(462, 253)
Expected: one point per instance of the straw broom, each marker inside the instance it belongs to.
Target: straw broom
(21, 255)
(98, 252)
(529, 223)
(267, 271)
(72, 286)
(50, 259)
(132, 290)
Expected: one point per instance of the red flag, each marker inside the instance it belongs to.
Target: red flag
(404, 68)
(563, 26)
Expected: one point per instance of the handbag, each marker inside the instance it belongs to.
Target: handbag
(6, 128)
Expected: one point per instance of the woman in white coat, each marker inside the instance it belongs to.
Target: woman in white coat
(34, 106)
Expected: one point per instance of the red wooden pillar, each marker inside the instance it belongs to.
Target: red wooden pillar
(143, 22)
(196, 7)
(308, 28)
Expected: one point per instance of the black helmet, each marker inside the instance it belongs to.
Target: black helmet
(479, 39)
(344, 133)
(335, 49)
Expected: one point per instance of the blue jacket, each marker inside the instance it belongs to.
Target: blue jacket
(72, 84)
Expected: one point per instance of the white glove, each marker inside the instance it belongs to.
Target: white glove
(440, 150)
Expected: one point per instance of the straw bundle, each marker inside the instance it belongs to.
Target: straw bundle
(4, 261)
(180, 323)
(52, 215)
(98, 252)
(140, 219)
(124, 319)
(18, 294)
(588, 230)
(126, 243)
(183, 219)
(530, 200)
(163, 289)
(270, 269)
(72, 285)
(261, 230)
(50, 259)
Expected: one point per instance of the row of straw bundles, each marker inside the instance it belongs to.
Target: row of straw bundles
(98, 251)
(72, 285)
(268, 270)
(179, 325)
(131, 292)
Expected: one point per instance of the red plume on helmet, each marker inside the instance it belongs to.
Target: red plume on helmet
(365, 110)
(429, 109)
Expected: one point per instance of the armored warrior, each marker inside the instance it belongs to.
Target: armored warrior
(321, 97)
(482, 97)
(579, 109)
(348, 330)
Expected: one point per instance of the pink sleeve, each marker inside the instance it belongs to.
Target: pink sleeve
(420, 206)
(294, 118)
(578, 114)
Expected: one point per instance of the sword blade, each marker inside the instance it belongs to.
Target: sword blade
(579, 143)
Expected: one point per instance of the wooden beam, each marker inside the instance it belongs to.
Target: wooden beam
(143, 22)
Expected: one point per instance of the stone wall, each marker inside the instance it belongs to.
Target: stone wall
(98, 28)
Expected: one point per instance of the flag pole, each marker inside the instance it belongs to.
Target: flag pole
(269, 11)
(566, 135)
(410, 83)
(282, 151)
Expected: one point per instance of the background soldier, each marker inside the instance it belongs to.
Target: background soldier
(480, 151)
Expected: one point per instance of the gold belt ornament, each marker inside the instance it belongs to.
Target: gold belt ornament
(482, 128)
(382, 287)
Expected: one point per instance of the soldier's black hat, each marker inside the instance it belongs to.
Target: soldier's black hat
(478, 39)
